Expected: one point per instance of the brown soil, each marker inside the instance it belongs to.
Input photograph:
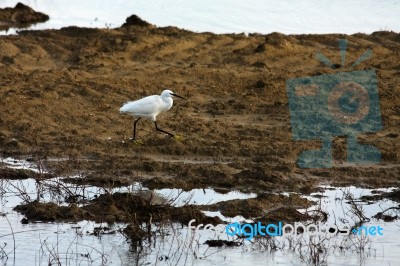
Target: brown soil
(12, 174)
(138, 208)
(61, 91)
(264, 205)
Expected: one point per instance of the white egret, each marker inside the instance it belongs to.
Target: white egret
(149, 107)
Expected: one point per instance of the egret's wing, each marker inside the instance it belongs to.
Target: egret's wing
(146, 106)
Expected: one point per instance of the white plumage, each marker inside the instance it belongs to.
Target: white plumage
(149, 107)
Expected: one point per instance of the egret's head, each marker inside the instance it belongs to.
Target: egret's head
(169, 93)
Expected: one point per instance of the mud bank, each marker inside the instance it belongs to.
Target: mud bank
(61, 91)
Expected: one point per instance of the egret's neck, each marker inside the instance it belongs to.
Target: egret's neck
(167, 103)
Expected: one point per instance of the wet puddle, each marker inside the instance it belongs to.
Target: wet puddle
(75, 243)
(200, 196)
(53, 243)
(337, 202)
(27, 164)
(89, 243)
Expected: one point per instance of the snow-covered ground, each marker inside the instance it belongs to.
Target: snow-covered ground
(226, 16)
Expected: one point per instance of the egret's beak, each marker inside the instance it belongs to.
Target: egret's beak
(176, 95)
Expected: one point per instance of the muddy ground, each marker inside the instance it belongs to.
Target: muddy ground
(61, 91)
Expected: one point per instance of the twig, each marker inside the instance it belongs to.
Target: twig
(13, 235)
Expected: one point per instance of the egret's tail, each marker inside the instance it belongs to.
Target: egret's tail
(124, 108)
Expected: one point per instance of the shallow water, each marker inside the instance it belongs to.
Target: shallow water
(72, 244)
(225, 16)
(13, 163)
(378, 250)
(200, 196)
(384, 249)
(39, 243)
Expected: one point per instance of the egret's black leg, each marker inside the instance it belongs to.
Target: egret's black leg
(171, 135)
(134, 128)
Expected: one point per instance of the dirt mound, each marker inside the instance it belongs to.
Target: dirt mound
(20, 16)
(62, 89)
(50, 212)
(134, 20)
(117, 207)
(14, 174)
(257, 207)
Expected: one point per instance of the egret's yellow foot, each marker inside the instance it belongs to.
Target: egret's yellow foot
(177, 137)
(137, 142)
